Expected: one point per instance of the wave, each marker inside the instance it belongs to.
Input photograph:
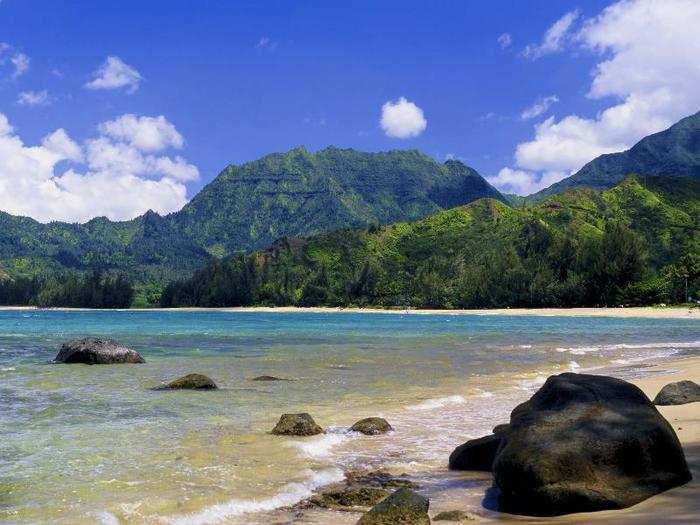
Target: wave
(581, 350)
(320, 446)
(289, 495)
(439, 402)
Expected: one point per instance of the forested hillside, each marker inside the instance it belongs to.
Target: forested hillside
(637, 243)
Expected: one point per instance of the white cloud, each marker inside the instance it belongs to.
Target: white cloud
(115, 74)
(653, 83)
(402, 119)
(266, 43)
(111, 175)
(144, 133)
(21, 63)
(540, 106)
(554, 38)
(523, 182)
(34, 98)
(505, 40)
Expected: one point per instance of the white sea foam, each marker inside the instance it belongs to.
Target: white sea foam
(7, 369)
(582, 350)
(320, 446)
(524, 346)
(531, 384)
(107, 518)
(573, 366)
(439, 402)
(289, 495)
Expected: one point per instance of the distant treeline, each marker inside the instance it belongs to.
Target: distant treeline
(91, 290)
(623, 246)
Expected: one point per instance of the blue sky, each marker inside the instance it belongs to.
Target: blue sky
(238, 80)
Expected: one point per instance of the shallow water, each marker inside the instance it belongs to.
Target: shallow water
(82, 444)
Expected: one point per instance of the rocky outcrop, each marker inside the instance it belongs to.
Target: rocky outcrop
(586, 443)
(454, 515)
(372, 426)
(476, 454)
(297, 425)
(190, 382)
(678, 393)
(95, 351)
(403, 507)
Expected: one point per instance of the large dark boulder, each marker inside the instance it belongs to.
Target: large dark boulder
(372, 426)
(190, 382)
(678, 393)
(94, 351)
(586, 443)
(297, 425)
(476, 454)
(403, 507)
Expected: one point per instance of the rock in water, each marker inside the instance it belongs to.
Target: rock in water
(297, 425)
(586, 443)
(268, 378)
(403, 507)
(476, 454)
(190, 382)
(94, 351)
(454, 515)
(372, 426)
(678, 393)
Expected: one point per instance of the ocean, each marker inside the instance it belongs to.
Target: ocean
(95, 444)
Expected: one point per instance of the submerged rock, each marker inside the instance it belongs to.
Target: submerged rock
(297, 425)
(94, 351)
(379, 478)
(476, 454)
(403, 507)
(678, 393)
(372, 426)
(586, 443)
(269, 378)
(190, 382)
(349, 497)
(454, 515)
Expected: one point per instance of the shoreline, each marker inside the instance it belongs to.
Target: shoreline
(649, 312)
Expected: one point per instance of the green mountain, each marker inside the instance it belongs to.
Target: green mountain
(673, 152)
(635, 243)
(246, 207)
(299, 193)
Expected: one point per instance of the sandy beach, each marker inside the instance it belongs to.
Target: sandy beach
(650, 312)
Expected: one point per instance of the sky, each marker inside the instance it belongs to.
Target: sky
(113, 108)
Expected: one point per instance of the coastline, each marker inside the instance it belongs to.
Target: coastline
(649, 312)
(679, 505)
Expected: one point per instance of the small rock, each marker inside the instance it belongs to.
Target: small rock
(379, 478)
(190, 382)
(678, 393)
(372, 426)
(476, 454)
(403, 507)
(269, 378)
(296, 425)
(94, 351)
(350, 496)
(454, 515)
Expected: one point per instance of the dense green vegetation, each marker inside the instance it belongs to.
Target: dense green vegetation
(92, 290)
(673, 152)
(297, 193)
(637, 243)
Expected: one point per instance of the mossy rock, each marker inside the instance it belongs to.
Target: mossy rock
(372, 426)
(297, 425)
(454, 515)
(403, 507)
(678, 393)
(190, 382)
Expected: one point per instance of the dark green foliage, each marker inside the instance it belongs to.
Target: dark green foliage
(673, 152)
(92, 290)
(246, 207)
(631, 244)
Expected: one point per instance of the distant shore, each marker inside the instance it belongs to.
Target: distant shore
(656, 312)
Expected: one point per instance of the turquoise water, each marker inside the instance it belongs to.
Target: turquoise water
(80, 444)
